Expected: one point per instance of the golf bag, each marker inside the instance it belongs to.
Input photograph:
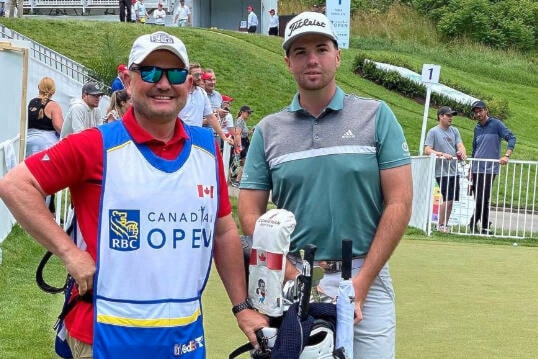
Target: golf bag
(298, 329)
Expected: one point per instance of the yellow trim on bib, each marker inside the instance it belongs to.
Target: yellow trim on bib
(163, 322)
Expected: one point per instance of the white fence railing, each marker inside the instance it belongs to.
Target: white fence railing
(510, 212)
(51, 58)
(83, 5)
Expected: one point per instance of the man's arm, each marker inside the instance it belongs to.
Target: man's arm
(397, 187)
(25, 198)
(251, 205)
(228, 256)
(215, 125)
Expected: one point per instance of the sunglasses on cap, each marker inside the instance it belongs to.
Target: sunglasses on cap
(153, 74)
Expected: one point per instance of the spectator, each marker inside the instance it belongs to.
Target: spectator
(141, 12)
(16, 6)
(2, 8)
(252, 20)
(125, 10)
(117, 84)
(226, 120)
(45, 121)
(146, 275)
(84, 112)
(210, 82)
(242, 138)
(198, 109)
(182, 15)
(133, 11)
(444, 141)
(45, 118)
(159, 15)
(118, 106)
(488, 133)
(341, 164)
(273, 23)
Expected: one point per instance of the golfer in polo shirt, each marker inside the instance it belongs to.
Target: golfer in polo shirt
(341, 164)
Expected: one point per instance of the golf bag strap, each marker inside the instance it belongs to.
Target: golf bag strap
(71, 304)
(263, 352)
(41, 281)
(44, 286)
(242, 349)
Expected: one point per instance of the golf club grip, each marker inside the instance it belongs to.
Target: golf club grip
(347, 258)
(306, 277)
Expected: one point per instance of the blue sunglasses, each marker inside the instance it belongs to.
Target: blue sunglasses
(153, 74)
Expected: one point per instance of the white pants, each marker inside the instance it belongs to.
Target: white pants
(39, 140)
(375, 336)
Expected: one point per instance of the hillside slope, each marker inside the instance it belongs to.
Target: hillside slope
(250, 68)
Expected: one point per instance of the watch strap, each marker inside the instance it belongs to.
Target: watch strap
(241, 306)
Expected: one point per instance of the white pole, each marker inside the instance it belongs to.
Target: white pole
(425, 119)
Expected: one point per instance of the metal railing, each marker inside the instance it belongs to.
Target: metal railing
(53, 59)
(494, 200)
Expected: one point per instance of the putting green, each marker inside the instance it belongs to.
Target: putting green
(453, 300)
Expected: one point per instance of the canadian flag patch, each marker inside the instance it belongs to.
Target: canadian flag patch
(263, 258)
(205, 191)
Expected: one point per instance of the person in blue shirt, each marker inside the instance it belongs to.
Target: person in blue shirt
(488, 133)
(117, 84)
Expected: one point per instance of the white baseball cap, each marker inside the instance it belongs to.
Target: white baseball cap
(160, 40)
(308, 22)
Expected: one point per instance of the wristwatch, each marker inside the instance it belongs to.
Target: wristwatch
(507, 155)
(242, 306)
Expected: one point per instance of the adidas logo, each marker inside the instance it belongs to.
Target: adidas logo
(348, 134)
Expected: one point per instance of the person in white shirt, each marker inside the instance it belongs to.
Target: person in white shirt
(84, 112)
(252, 20)
(159, 15)
(182, 14)
(273, 23)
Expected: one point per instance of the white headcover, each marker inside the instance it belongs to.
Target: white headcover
(270, 245)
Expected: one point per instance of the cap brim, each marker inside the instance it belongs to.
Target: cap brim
(287, 44)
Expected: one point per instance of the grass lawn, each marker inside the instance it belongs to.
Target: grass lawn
(453, 300)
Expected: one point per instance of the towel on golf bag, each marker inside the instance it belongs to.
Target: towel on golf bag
(270, 245)
(289, 344)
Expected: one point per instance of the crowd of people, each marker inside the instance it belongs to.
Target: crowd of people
(160, 104)
(136, 11)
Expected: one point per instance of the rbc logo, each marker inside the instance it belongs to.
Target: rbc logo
(124, 229)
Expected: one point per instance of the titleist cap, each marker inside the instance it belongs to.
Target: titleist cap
(160, 40)
(305, 23)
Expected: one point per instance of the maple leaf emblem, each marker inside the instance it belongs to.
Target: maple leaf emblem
(262, 257)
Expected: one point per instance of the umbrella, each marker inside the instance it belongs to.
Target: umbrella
(345, 303)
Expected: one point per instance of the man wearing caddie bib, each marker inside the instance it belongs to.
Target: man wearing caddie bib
(152, 210)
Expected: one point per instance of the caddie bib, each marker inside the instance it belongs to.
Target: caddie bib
(156, 226)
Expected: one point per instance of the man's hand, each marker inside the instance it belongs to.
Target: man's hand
(81, 266)
(227, 140)
(249, 320)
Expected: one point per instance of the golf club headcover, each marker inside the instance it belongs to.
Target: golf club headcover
(270, 245)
